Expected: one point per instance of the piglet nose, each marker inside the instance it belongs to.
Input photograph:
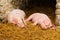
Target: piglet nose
(22, 27)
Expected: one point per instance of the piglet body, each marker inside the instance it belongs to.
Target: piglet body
(16, 16)
(41, 19)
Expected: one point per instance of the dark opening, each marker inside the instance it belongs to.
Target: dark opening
(45, 3)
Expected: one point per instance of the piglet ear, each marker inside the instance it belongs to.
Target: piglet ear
(46, 21)
(23, 21)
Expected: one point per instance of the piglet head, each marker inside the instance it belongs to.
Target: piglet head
(21, 23)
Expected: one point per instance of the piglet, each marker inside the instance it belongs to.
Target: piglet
(17, 17)
(42, 19)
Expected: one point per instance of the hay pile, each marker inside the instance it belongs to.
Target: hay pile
(30, 32)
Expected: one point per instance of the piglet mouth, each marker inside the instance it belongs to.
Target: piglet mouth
(53, 26)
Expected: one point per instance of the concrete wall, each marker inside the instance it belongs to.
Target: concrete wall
(57, 12)
(5, 7)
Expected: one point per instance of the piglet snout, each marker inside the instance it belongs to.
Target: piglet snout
(52, 27)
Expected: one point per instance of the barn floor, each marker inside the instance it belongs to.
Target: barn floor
(30, 32)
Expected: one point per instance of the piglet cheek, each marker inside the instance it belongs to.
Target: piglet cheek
(15, 21)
